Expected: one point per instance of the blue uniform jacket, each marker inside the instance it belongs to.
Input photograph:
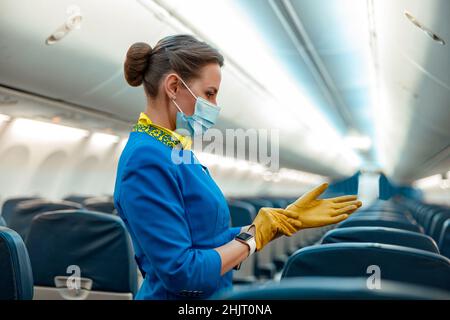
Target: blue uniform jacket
(176, 215)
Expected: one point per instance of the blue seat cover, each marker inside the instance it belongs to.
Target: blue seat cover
(396, 263)
(97, 242)
(331, 288)
(381, 235)
(16, 278)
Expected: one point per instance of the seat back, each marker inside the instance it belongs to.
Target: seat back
(10, 205)
(2, 222)
(444, 240)
(437, 222)
(21, 218)
(100, 204)
(395, 263)
(388, 222)
(381, 235)
(264, 267)
(384, 215)
(77, 198)
(378, 213)
(16, 277)
(318, 288)
(241, 212)
(94, 244)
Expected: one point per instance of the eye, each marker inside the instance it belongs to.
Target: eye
(210, 94)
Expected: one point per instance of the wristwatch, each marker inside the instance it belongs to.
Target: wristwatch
(249, 240)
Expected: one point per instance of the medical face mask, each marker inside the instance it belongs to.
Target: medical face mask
(204, 117)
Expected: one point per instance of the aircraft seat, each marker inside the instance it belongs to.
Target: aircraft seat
(96, 245)
(25, 211)
(16, 277)
(395, 263)
(437, 222)
(100, 204)
(77, 198)
(2, 222)
(444, 241)
(241, 212)
(9, 206)
(331, 288)
(386, 221)
(381, 235)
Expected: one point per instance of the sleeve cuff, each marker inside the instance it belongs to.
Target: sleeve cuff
(216, 267)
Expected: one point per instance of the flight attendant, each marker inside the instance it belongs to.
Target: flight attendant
(176, 215)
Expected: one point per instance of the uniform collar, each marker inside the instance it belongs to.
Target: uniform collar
(166, 136)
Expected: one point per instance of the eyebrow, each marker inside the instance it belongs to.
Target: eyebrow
(214, 88)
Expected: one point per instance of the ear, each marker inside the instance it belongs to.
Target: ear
(171, 84)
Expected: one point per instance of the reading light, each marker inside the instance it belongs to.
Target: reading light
(427, 31)
(72, 22)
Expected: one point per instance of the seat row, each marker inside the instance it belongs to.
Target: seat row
(60, 246)
(267, 263)
(18, 213)
(378, 252)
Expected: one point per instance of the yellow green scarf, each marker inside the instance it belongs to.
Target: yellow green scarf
(166, 136)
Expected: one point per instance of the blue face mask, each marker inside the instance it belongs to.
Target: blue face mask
(204, 117)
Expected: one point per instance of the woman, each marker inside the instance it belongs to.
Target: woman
(177, 216)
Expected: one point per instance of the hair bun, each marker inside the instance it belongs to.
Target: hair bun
(136, 63)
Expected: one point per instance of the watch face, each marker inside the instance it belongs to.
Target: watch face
(244, 236)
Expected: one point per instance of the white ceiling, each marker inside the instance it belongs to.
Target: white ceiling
(415, 81)
(85, 71)
(408, 116)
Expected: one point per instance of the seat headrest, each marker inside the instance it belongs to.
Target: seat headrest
(387, 221)
(436, 223)
(101, 204)
(317, 288)
(25, 211)
(381, 235)
(396, 263)
(97, 243)
(379, 215)
(77, 198)
(444, 239)
(16, 277)
(10, 205)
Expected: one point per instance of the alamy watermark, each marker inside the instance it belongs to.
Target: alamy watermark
(374, 280)
(73, 282)
(253, 145)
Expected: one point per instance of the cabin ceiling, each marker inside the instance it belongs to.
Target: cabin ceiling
(408, 121)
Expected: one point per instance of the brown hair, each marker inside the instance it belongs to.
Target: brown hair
(182, 54)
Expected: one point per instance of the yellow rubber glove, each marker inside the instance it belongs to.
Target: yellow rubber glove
(313, 212)
(305, 212)
(270, 224)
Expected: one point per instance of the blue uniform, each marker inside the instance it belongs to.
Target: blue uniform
(176, 215)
